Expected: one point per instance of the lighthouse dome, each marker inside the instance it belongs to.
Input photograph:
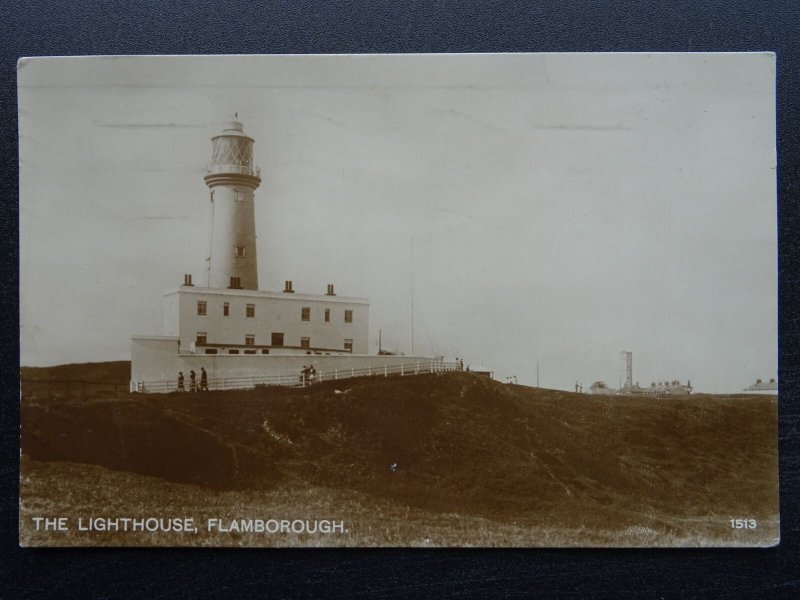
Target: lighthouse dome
(233, 127)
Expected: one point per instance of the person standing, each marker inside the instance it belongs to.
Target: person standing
(192, 381)
(181, 388)
(203, 380)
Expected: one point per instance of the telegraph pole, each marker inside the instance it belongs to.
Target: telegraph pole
(412, 295)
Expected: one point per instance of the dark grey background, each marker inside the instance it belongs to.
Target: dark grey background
(33, 28)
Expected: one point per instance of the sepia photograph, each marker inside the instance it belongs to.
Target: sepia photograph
(452, 300)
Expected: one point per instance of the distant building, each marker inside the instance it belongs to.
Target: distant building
(763, 387)
(481, 370)
(599, 387)
(666, 388)
(662, 388)
(628, 388)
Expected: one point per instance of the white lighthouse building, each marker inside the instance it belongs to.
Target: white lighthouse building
(232, 179)
(223, 323)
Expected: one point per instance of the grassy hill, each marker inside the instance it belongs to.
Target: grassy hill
(465, 447)
(118, 372)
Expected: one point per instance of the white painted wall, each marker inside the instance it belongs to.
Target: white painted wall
(274, 312)
(171, 315)
(232, 224)
(153, 357)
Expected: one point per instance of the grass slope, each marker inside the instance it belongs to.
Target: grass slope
(118, 372)
(465, 446)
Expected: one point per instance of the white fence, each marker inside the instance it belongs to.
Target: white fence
(288, 380)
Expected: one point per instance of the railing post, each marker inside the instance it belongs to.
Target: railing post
(352, 372)
(402, 369)
(385, 372)
(416, 371)
(336, 374)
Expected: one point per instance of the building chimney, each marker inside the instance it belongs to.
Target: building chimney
(187, 279)
(330, 290)
(287, 287)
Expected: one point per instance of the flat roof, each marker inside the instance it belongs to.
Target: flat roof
(193, 289)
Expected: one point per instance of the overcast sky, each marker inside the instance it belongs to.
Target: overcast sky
(560, 208)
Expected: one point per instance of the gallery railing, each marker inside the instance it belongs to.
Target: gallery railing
(215, 169)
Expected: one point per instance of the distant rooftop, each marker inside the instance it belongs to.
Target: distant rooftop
(759, 385)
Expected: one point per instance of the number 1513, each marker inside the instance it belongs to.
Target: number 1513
(744, 523)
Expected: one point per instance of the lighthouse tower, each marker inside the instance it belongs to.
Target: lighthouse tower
(207, 323)
(232, 179)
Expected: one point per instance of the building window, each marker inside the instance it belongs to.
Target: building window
(265, 351)
(202, 307)
(238, 196)
(211, 350)
(238, 251)
(305, 313)
(249, 351)
(250, 311)
(348, 316)
(249, 340)
(226, 309)
(200, 339)
(305, 342)
(277, 339)
(327, 315)
(236, 283)
(348, 344)
(233, 351)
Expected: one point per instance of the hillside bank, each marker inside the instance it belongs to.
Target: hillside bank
(462, 445)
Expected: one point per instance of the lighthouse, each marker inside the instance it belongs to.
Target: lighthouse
(232, 180)
(242, 335)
